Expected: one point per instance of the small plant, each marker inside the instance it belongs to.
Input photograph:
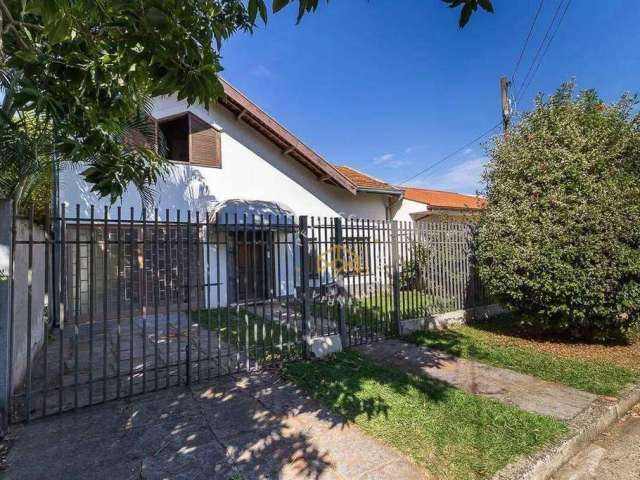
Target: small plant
(413, 269)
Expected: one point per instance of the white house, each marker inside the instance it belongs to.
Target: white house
(422, 205)
(234, 150)
(231, 163)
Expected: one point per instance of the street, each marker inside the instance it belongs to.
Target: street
(614, 455)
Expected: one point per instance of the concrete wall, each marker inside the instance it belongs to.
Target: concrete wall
(253, 168)
(6, 210)
(402, 210)
(21, 299)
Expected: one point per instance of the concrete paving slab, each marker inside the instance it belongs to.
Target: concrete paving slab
(255, 425)
(525, 391)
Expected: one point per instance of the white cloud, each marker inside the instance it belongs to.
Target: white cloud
(261, 71)
(468, 151)
(384, 158)
(464, 177)
(414, 148)
(390, 160)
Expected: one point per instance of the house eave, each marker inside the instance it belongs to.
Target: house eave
(255, 117)
(380, 191)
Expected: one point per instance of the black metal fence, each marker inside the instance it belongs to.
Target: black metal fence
(135, 302)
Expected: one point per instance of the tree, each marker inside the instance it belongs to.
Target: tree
(88, 69)
(560, 239)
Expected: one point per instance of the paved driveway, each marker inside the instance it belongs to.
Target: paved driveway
(241, 427)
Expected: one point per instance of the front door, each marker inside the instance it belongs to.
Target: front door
(250, 268)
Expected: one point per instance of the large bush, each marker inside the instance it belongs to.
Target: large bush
(560, 241)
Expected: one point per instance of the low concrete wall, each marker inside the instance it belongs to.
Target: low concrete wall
(444, 320)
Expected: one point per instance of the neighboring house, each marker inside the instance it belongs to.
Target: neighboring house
(423, 205)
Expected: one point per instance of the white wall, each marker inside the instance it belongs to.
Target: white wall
(253, 168)
(23, 274)
(402, 211)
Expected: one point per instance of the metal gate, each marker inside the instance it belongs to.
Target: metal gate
(111, 306)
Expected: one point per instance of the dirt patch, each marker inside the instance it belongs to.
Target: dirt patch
(627, 356)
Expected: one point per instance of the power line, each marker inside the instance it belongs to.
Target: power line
(515, 70)
(540, 47)
(524, 89)
(526, 42)
(447, 157)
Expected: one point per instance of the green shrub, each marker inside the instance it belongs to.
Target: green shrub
(560, 239)
(413, 269)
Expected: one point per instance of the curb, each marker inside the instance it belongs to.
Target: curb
(594, 420)
(439, 321)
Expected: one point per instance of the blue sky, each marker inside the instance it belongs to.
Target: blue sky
(391, 86)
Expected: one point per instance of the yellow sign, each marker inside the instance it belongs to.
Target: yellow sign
(340, 259)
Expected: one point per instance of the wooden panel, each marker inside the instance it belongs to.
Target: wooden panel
(148, 138)
(204, 143)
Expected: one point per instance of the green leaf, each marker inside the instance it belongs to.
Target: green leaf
(263, 10)
(252, 10)
(279, 5)
(486, 5)
(465, 13)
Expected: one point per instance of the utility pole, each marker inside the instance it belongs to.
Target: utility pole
(506, 107)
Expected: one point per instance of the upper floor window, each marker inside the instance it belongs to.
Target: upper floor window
(189, 139)
(176, 134)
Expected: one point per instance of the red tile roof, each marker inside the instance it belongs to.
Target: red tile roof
(364, 181)
(439, 199)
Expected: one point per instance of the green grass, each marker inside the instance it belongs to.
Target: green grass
(378, 309)
(481, 344)
(246, 331)
(453, 434)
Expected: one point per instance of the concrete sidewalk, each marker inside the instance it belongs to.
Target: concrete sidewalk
(525, 391)
(244, 426)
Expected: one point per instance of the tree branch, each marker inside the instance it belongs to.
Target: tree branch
(11, 24)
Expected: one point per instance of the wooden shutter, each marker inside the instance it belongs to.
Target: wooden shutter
(204, 143)
(147, 139)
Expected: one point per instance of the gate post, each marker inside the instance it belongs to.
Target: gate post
(305, 291)
(7, 214)
(395, 261)
(338, 268)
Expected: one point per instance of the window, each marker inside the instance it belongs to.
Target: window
(190, 139)
(176, 134)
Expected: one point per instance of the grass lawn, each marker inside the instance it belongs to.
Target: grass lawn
(375, 309)
(572, 364)
(246, 331)
(453, 434)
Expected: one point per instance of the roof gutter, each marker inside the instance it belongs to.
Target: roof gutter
(380, 190)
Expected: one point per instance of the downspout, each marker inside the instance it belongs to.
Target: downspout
(391, 203)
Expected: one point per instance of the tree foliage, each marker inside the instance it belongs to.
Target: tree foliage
(560, 239)
(89, 67)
